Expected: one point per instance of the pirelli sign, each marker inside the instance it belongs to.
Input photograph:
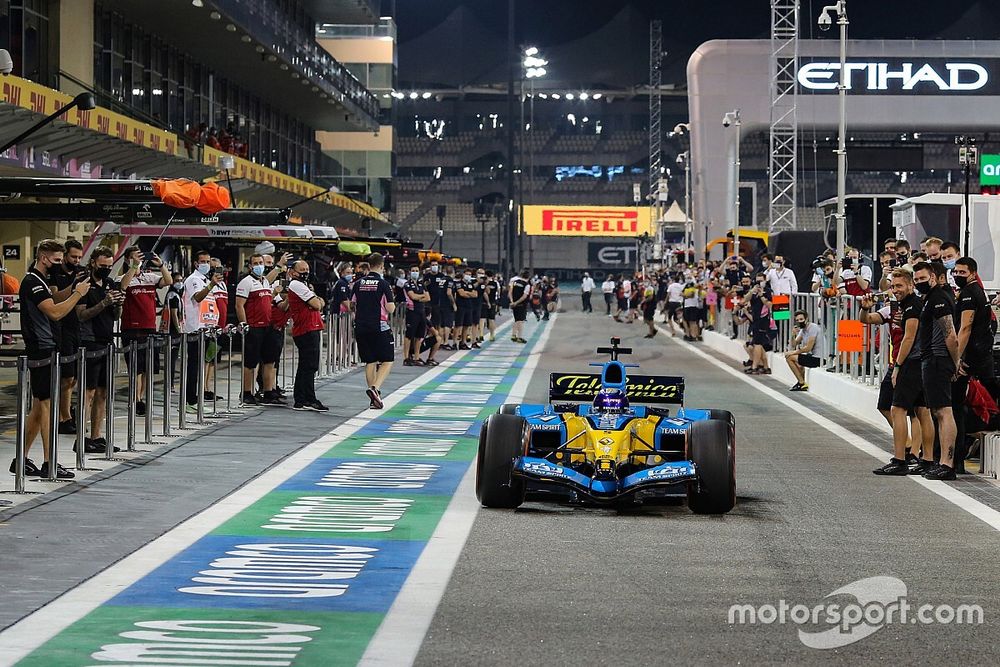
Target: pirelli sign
(622, 221)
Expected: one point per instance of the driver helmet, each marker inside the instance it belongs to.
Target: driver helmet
(611, 401)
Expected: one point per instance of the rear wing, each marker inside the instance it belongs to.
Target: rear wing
(582, 387)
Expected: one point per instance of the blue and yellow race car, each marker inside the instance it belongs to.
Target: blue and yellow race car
(591, 443)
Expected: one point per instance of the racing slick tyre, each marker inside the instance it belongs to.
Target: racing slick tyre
(501, 441)
(711, 446)
(723, 415)
(508, 409)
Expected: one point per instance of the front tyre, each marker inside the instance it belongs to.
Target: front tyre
(501, 441)
(712, 448)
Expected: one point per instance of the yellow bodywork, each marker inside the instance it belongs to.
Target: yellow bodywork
(606, 449)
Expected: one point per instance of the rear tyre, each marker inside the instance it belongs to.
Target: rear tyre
(711, 445)
(723, 415)
(501, 441)
(508, 409)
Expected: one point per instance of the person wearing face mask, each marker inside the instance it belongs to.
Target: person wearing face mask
(416, 321)
(200, 312)
(973, 317)
(304, 308)
(373, 306)
(479, 304)
(939, 359)
(342, 289)
(932, 246)
(950, 253)
(902, 252)
(807, 349)
(139, 310)
(449, 307)
(434, 281)
(781, 278)
(39, 313)
(97, 313)
(854, 278)
(465, 295)
(175, 312)
(493, 309)
(62, 277)
(254, 294)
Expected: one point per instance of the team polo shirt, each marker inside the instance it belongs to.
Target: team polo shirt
(417, 287)
(938, 304)
(279, 317)
(139, 308)
(221, 293)
(99, 329)
(518, 287)
(304, 318)
(36, 327)
(198, 314)
(257, 292)
(972, 297)
(371, 294)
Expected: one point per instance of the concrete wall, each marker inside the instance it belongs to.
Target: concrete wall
(76, 43)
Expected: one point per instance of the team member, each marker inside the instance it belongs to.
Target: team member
(479, 305)
(97, 313)
(63, 277)
(449, 306)
(587, 290)
(807, 350)
(938, 358)
(39, 314)
(781, 277)
(493, 309)
(975, 344)
(465, 295)
(648, 307)
(139, 310)
(342, 289)
(694, 296)
(519, 291)
(416, 319)
(304, 307)
(674, 302)
(854, 278)
(254, 295)
(200, 312)
(373, 306)
(608, 289)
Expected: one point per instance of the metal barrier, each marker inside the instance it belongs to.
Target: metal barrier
(338, 355)
(867, 367)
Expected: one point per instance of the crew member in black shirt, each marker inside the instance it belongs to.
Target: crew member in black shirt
(939, 357)
(975, 345)
(466, 294)
(416, 319)
(342, 290)
(493, 309)
(448, 287)
(434, 280)
(519, 291)
(39, 315)
(97, 313)
(61, 278)
(373, 304)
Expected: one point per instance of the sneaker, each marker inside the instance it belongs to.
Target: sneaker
(463, 346)
(30, 469)
(522, 340)
(407, 362)
(648, 336)
(140, 409)
(317, 406)
(249, 399)
(431, 362)
(272, 399)
(475, 346)
(299, 406)
(801, 387)
(61, 473)
(747, 363)
(922, 467)
(795, 387)
(375, 397)
(513, 339)
(96, 446)
(67, 427)
(210, 396)
(191, 409)
(895, 467)
(941, 473)
(911, 458)
(493, 338)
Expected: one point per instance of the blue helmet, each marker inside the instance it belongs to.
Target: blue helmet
(610, 401)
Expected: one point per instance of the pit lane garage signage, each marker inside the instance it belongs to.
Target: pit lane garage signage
(612, 255)
(629, 221)
(989, 170)
(641, 388)
(903, 76)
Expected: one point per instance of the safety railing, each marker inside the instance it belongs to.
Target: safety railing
(867, 366)
(157, 357)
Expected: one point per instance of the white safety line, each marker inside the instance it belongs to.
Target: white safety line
(977, 509)
(399, 638)
(23, 637)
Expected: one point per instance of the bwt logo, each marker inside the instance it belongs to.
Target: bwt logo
(610, 222)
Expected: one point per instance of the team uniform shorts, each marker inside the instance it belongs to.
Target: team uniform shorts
(936, 374)
(375, 345)
(270, 349)
(520, 312)
(672, 308)
(436, 316)
(41, 377)
(447, 316)
(97, 368)
(465, 318)
(692, 314)
(909, 390)
(416, 325)
(253, 344)
(140, 336)
(69, 344)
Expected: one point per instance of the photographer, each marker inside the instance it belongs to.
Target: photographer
(807, 349)
(97, 313)
(854, 278)
(975, 345)
(254, 295)
(762, 327)
(887, 260)
(139, 310)
(63, 277)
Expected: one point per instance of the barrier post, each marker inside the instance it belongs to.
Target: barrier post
(167, 382)
(23, 398)
(150, 378)
(284, 361)
(215, 374)
(131, 351)
(82, 414)
(200, 380)
(182, 390)
(109, 405)
(54, 380)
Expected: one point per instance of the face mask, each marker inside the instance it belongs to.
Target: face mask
(414, 275)
(348, 276)
(819, 272)
(923, 288)
(203, 269)
(961, 281)
(800, 324)
(903, 255)
(468, 279)
(779, 264)
(950, 263)
(304, 277)
(257, 270)
(102, 272)
(434, 268)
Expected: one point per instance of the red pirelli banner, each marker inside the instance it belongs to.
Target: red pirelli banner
(629, 221)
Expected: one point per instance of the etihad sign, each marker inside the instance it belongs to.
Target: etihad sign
(899, 76)
(627, 221)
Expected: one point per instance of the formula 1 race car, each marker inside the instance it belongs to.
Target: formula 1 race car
(604, 450)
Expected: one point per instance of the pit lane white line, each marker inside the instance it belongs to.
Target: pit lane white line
(977, 509)
(32, 631)
(404, 627)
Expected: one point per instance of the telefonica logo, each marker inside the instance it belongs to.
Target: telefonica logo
(903, 76)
